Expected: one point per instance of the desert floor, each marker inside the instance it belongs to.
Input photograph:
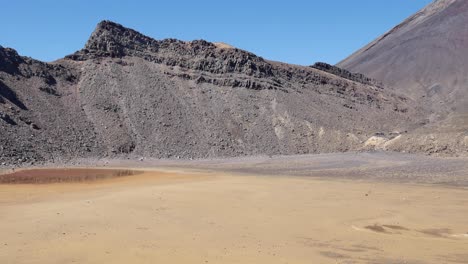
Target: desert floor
(381, 209)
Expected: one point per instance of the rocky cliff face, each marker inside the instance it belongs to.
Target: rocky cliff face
(128, 95)
(113, 40)
(356, 77)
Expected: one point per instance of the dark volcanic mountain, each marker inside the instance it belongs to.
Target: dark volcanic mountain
(426, 59)
(126, 94)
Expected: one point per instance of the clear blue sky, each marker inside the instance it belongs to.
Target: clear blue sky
(294, 31)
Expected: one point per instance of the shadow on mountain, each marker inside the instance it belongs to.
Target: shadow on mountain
(8, 94)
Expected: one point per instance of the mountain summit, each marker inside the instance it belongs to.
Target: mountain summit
(115, 40)
(424, 56)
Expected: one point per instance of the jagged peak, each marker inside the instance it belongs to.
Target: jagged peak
(9, 54)
(113, 38)
(9, 60)
(108, 25)
(10, 51)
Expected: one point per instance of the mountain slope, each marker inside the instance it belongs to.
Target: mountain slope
(426, 59)
(126, 94)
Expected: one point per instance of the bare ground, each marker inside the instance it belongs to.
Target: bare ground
(370, 166)
(256, 210)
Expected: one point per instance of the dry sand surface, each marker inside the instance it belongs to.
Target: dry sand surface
(217, 217)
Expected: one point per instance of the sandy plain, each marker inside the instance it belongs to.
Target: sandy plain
(201, 213)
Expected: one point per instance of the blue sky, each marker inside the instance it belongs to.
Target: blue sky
(294, 31)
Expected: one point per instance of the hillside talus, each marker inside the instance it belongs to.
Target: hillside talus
(128, 95)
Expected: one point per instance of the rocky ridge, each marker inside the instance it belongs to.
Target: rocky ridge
(127, 95)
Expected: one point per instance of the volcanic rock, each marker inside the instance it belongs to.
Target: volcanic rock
(128, 95)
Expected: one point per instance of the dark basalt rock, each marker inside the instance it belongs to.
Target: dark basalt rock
(10, 61)
(13, 64)
(357, 77)
(113, 40)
